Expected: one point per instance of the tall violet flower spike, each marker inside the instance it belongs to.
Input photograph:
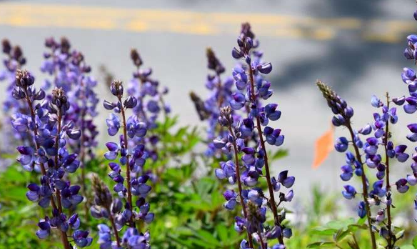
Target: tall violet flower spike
(150, 104)
(378, 152)
(220, 96)
(252, 88)
(409, 104)
(70, 72)
(48, 154)
(133, 159)
(343, 114)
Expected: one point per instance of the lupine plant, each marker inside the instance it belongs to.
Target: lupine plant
(374, 150)
(253, 158)
(133, 161)
(69, 71)
(48, 154)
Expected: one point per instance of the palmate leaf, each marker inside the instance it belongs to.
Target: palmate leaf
(177, 175)
(339, 229)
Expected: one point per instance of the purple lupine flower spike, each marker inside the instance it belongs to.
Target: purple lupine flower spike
(69, 71)
(133, 182)
(147, 100)
(343, 115)
(49, 154)
(244, 118)
(378, 150)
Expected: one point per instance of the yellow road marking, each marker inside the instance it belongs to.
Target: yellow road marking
(196, 23)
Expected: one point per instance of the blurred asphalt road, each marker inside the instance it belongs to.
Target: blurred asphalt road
(356, 46)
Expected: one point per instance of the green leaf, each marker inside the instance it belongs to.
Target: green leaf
(339, 224)
(321, 244)
(15, 193)
(281, 153)
(415, 242)
(222, 232)
(355, 227)
(208, 237)
(362, 221)
(13, 175)
(340, 235)
(399, 234)
(323, 231)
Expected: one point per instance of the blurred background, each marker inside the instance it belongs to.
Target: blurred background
(355, 46)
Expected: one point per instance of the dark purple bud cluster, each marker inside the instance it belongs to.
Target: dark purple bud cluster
(220, 95)
(132, 155)
(339, 107)
(148, 101)
(213, 63)
(49, 155)
(15, 55)
(14, 61)
(251, 153)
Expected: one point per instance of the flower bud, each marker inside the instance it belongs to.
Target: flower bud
(130, 102)
(116, 88)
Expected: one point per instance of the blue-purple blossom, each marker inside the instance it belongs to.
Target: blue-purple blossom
(250, 158)
(347, 172)
(341, 144)
(81, 238)
(49, 155)
(133, 239)
(285, 180)
(413, 128)
(377, 149)
(349, 192)
(402, 186)
(361, 209)
(133, 182)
